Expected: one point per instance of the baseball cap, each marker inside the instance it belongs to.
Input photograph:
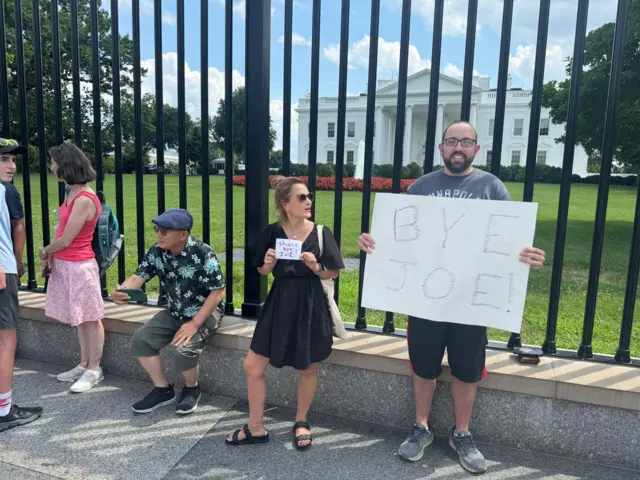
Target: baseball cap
(11, 146)
(175, 219)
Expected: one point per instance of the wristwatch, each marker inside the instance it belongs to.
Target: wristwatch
(322, 269)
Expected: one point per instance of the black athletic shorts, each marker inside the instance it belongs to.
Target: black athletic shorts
(465, 346)
(9, 303)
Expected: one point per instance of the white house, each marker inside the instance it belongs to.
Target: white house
(483, 104)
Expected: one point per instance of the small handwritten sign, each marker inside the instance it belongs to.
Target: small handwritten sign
(288, 249)
(450, 259)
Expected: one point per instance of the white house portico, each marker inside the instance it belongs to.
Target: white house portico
(483, 104)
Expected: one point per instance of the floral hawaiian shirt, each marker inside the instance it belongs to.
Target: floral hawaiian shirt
(187, 278)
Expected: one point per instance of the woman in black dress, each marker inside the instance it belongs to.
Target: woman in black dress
(295, 326)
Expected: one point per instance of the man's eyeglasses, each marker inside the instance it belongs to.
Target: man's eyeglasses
(303, 196)
(466, 142)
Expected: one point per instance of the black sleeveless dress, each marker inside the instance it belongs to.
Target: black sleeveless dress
(295, 326)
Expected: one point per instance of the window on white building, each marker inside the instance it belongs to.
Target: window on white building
(515, 157)
(331, 129)
(351, 129)
(518, 126)
(489, 157)
(544, 127)
(350, 157)
(330, 154)
(491, 126)
(542, 157)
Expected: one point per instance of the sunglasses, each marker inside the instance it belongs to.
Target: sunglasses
(303, 196)
(8, 143)
(160, 231)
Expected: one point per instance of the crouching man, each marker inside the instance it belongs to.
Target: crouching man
(191, 277)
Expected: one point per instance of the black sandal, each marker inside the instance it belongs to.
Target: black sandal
(249, 438)
(299, 438)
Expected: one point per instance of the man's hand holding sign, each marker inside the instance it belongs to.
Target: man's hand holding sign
(450, 260)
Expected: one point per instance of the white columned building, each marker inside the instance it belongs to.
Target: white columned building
(482, 113)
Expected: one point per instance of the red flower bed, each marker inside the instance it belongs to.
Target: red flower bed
(378, 184)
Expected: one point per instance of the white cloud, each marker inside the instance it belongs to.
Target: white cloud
(388, 56)
(296, 39)
(239, 8)
(522, 65)
(192, 84)
(216, 93)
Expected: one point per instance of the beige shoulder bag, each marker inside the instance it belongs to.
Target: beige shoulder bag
(327, 285)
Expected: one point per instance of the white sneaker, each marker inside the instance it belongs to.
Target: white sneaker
(71, 375)
(88, 379)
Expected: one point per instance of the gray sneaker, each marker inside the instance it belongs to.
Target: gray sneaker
(413, 447)
(470, 458)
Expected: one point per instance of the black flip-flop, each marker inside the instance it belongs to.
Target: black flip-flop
(249, 438)
(299, 438)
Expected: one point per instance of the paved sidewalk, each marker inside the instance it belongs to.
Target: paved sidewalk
(96, 436)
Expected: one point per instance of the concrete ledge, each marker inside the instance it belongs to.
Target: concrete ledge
(578, 409)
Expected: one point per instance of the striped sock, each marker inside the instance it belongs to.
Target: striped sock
(5, 403)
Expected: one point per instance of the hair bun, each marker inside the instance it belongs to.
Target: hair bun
(277, 180)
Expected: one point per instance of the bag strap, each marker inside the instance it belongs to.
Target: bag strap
(320, 238)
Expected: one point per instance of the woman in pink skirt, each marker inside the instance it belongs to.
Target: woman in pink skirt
(73, 295)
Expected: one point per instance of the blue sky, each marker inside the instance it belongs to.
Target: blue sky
(522, 48)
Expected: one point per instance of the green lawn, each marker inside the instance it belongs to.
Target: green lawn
(577, 255)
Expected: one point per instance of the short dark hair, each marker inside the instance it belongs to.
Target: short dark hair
(73, 165)
(458, 122)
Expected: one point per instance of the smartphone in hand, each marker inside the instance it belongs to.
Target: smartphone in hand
(135, 294)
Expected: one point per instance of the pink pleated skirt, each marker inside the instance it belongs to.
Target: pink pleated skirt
(73, 293)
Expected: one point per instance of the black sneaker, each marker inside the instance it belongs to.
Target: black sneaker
(158, 397)
(188, 400)
(18, 416)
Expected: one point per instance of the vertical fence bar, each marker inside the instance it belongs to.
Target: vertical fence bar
(117, 130)
(501, 92)
(361, 320)
(467, 86)
(95, 74)
(97, 121)
(534, 120)
(157, 18)
(434, 85)
(4, 81)
(204, 119)
(315, 79)
(342, 118)
(536, 100)
(24, 138)
(228, 150)
(182, 132)
(608, 145)
(137, 117)
(258, 34)
(623, 353)
(57, 84)
(75, 68)
(286, 118)
(549, 345)
(42, 145)
(401, 111)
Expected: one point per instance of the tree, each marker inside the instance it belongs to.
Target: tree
(105, 43)
(220, 127)
(276, 159)
(595, 82)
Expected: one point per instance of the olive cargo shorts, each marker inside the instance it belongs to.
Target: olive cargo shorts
(160, 330)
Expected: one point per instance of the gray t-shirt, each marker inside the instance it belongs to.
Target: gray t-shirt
(477, 185)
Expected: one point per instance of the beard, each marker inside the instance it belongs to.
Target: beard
(458, 167)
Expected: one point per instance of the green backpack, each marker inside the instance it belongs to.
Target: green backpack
(107, 239)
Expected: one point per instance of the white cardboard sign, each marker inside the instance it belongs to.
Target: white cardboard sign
(450, 259)
(288, 249)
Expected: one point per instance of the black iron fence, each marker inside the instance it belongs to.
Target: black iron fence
(257, 146)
